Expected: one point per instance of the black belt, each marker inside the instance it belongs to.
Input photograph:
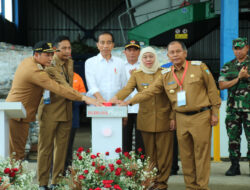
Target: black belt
(195, 112)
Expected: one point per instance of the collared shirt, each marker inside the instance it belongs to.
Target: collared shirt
(28, 84)
(154, 113)
(238, 95)
(60, 108)
(198, 84)
(129, 68)
(105, 77)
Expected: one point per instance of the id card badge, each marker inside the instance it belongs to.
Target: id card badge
(46, 94)
(46, 97)
(181, 98)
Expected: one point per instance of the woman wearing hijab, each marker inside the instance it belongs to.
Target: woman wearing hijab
(153, 119)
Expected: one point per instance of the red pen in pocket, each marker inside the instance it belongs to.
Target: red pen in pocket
(115, 70)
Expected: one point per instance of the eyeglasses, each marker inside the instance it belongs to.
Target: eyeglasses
(175, 52)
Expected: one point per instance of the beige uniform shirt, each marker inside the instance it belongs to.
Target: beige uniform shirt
(60, 108)
(29, 82)
(153, 115)
(199, 84)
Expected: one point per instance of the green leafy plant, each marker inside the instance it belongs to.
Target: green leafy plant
(15, 175)
(98, 172)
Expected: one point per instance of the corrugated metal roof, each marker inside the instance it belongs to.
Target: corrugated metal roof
(45, 20)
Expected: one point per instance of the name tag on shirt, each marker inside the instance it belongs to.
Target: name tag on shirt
(181, 98)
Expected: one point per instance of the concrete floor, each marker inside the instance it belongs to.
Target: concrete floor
(218, 181)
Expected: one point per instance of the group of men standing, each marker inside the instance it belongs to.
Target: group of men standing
(48, 74)
(189, 86)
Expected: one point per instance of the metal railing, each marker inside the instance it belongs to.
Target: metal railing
(130, 9)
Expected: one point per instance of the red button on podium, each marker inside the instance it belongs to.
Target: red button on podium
(107, 104)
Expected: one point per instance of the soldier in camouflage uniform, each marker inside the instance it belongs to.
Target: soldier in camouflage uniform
(234, 76)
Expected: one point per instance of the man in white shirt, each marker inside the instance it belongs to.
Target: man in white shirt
(132, 52)
(105, 74)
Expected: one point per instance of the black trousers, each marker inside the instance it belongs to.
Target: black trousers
(127, 135)
(69, 156)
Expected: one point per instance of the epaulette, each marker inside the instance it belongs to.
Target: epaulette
(165, 70)
(40, 67)
(53, 63)
(196, 62)
(137, 71)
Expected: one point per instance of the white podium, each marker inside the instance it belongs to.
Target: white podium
(8, 110)
(106, 128)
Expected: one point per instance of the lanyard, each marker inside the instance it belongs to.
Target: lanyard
(183, 76)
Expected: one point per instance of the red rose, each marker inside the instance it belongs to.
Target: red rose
(80, 157)
(102, 167)
(88, 151)
(107, 153)
(107, 185)
(126, 154)
(93, 164)
(77, 154)
(7, 170)
(111, 167)
(15, 169)
(118, 150)
(12, 174)
(80, 149)
(97, 171)
(118, 171)
(139, 149)
(92, 156)
(86, 171)
(98, 154)
(118, 162)
(81, 177)
(129, 173)
(142, 156)
(98, 188)
(117, 187)
(107, 181)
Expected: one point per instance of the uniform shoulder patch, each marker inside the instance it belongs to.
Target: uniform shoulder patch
(137, 71)
(165, 70)
(196, 62)
(53, 63)
(40, 67)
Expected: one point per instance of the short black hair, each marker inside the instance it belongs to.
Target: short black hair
(106, 32)
(184, 47)
(60, 38)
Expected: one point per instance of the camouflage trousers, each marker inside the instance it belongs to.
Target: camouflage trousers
(234, 122)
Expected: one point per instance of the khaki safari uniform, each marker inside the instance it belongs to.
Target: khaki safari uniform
(193, 119)
(27, 87)
(55, 121)
(153, 122)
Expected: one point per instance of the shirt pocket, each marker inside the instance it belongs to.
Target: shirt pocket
(194, 80)
(194, 85)
(171, 91)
